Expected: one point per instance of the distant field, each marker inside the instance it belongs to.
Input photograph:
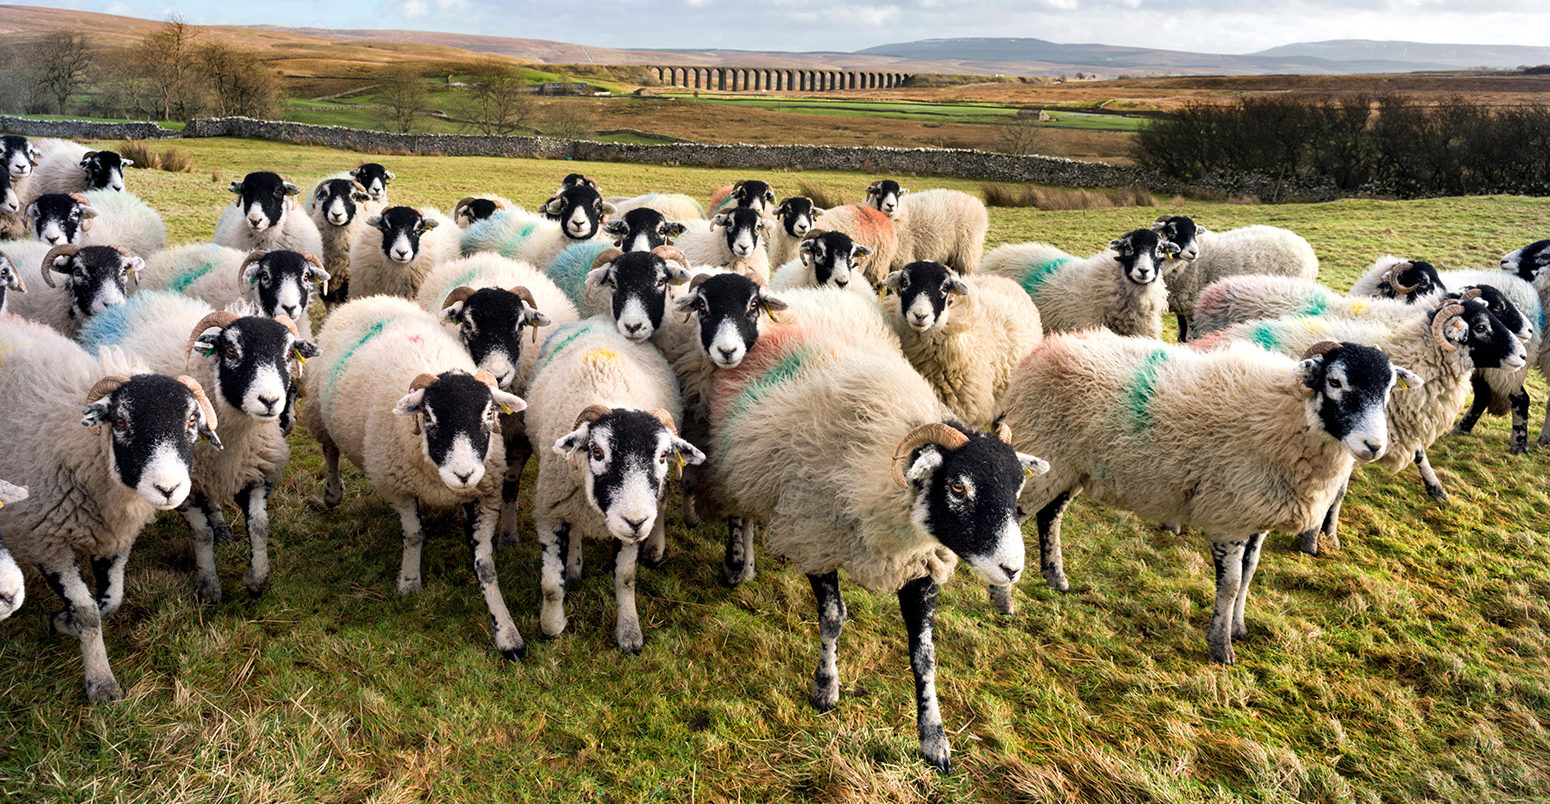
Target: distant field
(1412, 665)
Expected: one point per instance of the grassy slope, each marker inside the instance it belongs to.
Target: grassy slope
(1409, 665)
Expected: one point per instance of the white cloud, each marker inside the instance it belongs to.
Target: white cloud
(119, 7)
(415, 9)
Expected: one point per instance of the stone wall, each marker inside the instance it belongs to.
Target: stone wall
(85, 129)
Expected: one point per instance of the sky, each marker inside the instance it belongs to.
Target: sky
(1213, 26)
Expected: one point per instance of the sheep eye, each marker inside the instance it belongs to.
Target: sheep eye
(1480, 329)
(597, 454)
(1336, 384)
(193, 421)
(121, 423)
(231, 352)
(957, 488)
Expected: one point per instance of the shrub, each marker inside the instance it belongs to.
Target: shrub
(1055, 198)
(172, 160)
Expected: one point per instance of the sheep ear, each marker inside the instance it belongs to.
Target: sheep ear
(675, 229)
(904, 191)
(894, 281)
(507, 402)
(357, 195)
(306, 349)
(1308, 374)
(929, 461)
(1032, 466)
(719, 220)
(608, 209)
(806, 246)
(600, 277)
(685, 304)
(543, 209)
(32, 211)
(770, 303)
(374, 221)
(573, 441)
(452, 313)
(96, 413)
(318, 275)
(816, 211)
(250, 272)
(1121, 245)
(533, 318)
(208, 341)
(1405, 379)
(410, 403)
(676, 273)
(388, 175)
(236, 187)
(429, 223)
(128, 162)
(1159, 224)
(616, 228)
(957, 286)
(687, 453)
(858, 250)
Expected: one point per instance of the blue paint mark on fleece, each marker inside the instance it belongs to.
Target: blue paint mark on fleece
(109, 327)
(1143, 387)
(560, 338)
(569, 269)
(1039, 273)
(210, 258)
(333, 379)
(502, 233)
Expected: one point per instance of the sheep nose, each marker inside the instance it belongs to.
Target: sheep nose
(635, 524)
(165, 491)
(462, 477)
(633, 328)
(841, 282)
(268, 402)
(1012, 572)
(726, 351)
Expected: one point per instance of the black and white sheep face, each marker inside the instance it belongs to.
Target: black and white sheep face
(1181, 231)
(1141, 253)
(885, 196)
(490, 324)
(263, 198)
(10, 280)
(337, 198)
(284, 281)
(13, 588)
(833, 258)
(624, 457)
(751, 194)
(966, 498)
(1502, 307)
(1529, 262)
(153, 421)
(1348, 391)
(797, 215)
(475, 210)
(579, 209)
(17, 156)
(10, 202)
(374, 178)
(743, 230)
(401, 229)
(96, 277)
(58, 219)
(926, 293)
(1410, 280)
(728, 307)
(255, 359)
(457, 413)
(1489, 343)
(104, 170)
(642, 229)
(640, 281)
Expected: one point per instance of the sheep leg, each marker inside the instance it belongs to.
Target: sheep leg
(917, 602)
(479, 520)
(1519, 401)
(288, 413)
(109, 574)
(254, 501)
(1429, 477)
(1477, 406)
(688, 504)
(1051, 559)
(831, 620)
(1250, 564)
(627, 627)
(1183, 327)
(333, 490)
(655, 549)
(554, 542)
(81, 618)
(738, 567)
(1228, 558)
(207, 583)
(414, 539)
(212, 511)
(1001, 599)
(518, 450)
(573, 560)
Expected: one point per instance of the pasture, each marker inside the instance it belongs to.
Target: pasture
(1413, 664)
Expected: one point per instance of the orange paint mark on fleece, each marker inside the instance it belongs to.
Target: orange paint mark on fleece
(870, 223)
(772, 347)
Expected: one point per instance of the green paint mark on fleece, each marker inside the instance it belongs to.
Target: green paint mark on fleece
(558, 340)
(783, 371)
(181, 281)
(1264, 336)
(1036, 277)
(1142, 388)
(1318, 305)
(373, 331)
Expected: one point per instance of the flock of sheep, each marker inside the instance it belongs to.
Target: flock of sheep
(862, 383)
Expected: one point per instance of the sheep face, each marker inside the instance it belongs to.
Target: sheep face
(1528, 262)
(17, 156)
(642, 229)
(478, 209)
(263, 197)
(885, 196)
(13, 590)
(579, 209)
(283, 282)
(337, 199)
(1488, 341)
(926, 291)
(624, 456)
(490, 324)
(104, 170)
(833, 258)
(742, 229)
(1500, 306)
(59, 219)
(965, 497)
(639, 280)
(10, 280)
(1141, 253)
(456, 413)
(1348, 390)
(153, 421)
(9, 200)
(374, 178)
(401, 229)
(255, 359)
(1409, 280)
(728, 307)
(1181, 231)
(95, 277)
(751, 194)
(797, 215)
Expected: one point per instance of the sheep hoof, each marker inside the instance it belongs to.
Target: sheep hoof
(208, 591)
(222, 532)
(1544, 439)
(1438, 493)
(408, 586)
(651, 559)
(1460, 430)
(64, 624)
(1308, 542)
(826, 695)
(937, 752)
(1176, 528)
(254, 583)
(630, 639)
(734, 575)
(103, 690)
(1240, 631)
(332, 495)
(1056, 581)
(1223, 654)
(513, 654)
(1518, 447)
(510, 538)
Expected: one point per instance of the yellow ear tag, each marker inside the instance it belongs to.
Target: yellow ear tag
(681, 461)
(882, 292)
(1400, 381)
(1027, 472)
(506, 409)
(300, 359)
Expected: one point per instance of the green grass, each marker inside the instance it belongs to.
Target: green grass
(1411, 665)
(925, 112)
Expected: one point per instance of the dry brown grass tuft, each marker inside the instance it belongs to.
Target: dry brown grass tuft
(820, 195)
(1063, 198)
(172, 160)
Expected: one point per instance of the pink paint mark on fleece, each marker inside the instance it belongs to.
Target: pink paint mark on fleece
(772, 347)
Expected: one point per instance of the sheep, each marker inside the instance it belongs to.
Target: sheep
(1393, 278)
(1529, 264)
(13, 588)
(946, 226)
(868, 227)
(794, 218)
(338, 208)
(641, 229)
(825, 259)
(502, 233)
(13, 221)
(123, 219)
(605, 408)
(264, 216)
(1119, 288)
(470, 209)
(745, 194)
(842, 453)
(10, 280)
(247, 362)
(58, 219)
(579, 209)
(1137, 424)
(96, 476)
(1249, 297)
(277, 282)
(18, 157)
(396, 250)
(671, 206)
(69, 167)
(399, 397)
(1204, 256)
(95, 278)
(965, 335)
(734, 240)
(374, 178)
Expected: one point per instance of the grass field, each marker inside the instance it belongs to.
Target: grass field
(1411, 665)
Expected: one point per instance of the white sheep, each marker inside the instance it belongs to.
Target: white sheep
(1204, 256)
(733, 240)
(78, 282)
(1120, 288)
(123, 219)
(946, 226)
(398, 396)
(339, 206)
(265, 216)
(277, 282)
(13, 587)
(604, 410)
(92, 487)
(1139, 424)
(70, 167)
(502, 233)
(1529, 264)
(396, 250)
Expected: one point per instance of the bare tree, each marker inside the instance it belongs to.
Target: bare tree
(60, 63)
(239, 82)
(404, 100)
(1020, 136)
(168, 61)
(569, 120)
(497, 102)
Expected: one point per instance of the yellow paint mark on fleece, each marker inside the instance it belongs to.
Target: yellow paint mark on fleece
(599, 356)
(1314, 325)
(1358, 308)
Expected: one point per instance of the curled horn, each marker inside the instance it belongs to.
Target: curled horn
(285, 321)
(357, 185)
(608, 256)
(105, 386)
(487, 378)
(671, 254)
(591, 414)
(815, 233)
(935, 433)
(1441, 318)
(459, 293)
(421, 381)
(661, 415)
(1320, 348)
(314, 259)
(253, 256)
(80, 199)
(204, 401)
(525, 295)
(1472, 293)
(699, 279)
(1393, 277)
(48, 260)
(462, 202)
(219, 318)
